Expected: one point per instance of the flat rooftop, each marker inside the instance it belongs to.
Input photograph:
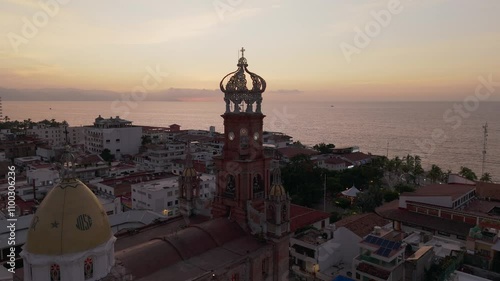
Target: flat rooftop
(312, 236)
(454, 190)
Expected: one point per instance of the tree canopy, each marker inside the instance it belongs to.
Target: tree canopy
(467, 173)
(324, 148)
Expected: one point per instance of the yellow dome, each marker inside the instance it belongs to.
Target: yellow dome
(70, 220)
(190, 172)
(277, 190)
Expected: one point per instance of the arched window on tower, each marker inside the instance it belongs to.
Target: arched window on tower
(88, 268)
(55, 272)
(271, 215)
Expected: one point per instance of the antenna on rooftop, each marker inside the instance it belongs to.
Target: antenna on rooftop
(485, 142)
(1, 116)
(387, 153)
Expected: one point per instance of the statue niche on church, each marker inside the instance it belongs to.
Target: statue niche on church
(230, 186)
(258, 187)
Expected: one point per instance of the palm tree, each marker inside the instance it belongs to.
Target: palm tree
(6, 118)
(467, 173)
(486, 177)
(435, 174)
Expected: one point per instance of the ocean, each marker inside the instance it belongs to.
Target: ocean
(437, 131)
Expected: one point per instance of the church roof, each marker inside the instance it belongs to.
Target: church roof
(277, 190)
(166, 252)
(69, 220)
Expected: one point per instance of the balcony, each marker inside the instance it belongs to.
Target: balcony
(301, 256)
(369, 259)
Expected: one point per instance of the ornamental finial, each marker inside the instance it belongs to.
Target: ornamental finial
(242, 52)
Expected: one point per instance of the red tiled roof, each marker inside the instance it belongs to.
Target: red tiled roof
(391, 211)
(454, 190)
(336, 161)
(357, 156)
(488, 190)
(163, 252)
(291, 151)
(302, 216)
(362, 224)
(374, 271)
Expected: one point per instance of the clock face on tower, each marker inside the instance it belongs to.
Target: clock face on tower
(231, 136)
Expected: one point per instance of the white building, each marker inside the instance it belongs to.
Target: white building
(115, 134)
(56, 136)
(161, 195)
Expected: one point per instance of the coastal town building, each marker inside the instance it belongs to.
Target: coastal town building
(460, 210)
(117, 135)
(56, 136)
(381, 257)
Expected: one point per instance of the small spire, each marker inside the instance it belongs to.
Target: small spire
(66, 133)
(189, 157)
(242, 52)
(277, 176)
(67, 164)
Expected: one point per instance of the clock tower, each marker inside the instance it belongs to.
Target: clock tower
(243, 171)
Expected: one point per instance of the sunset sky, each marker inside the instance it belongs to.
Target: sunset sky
(429, 50)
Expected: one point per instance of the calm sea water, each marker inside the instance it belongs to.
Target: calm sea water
(404, 127)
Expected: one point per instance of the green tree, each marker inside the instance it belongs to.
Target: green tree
(343, 203)
(334, 217)
(435, 174)
(303, 180)
(370, 199)
(486, 177)
(298, 144)
(467, 173)
(145, 140)
(401, 188)
(106, 155)
(390, 195)
(324, 148)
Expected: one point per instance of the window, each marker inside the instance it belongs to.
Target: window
(107, 141)
(88, 268)
(55, 272)
(176, 202)
(117, 140)
(265, 267)
(149, 196)
(169, 193)
(169, 203)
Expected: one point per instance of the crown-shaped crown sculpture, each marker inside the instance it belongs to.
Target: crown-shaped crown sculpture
(237, 94)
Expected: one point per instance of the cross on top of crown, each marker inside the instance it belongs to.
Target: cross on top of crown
(242, 52)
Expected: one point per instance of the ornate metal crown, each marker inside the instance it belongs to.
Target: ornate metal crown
(237, 93)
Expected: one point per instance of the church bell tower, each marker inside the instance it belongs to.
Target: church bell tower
(242, 169)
